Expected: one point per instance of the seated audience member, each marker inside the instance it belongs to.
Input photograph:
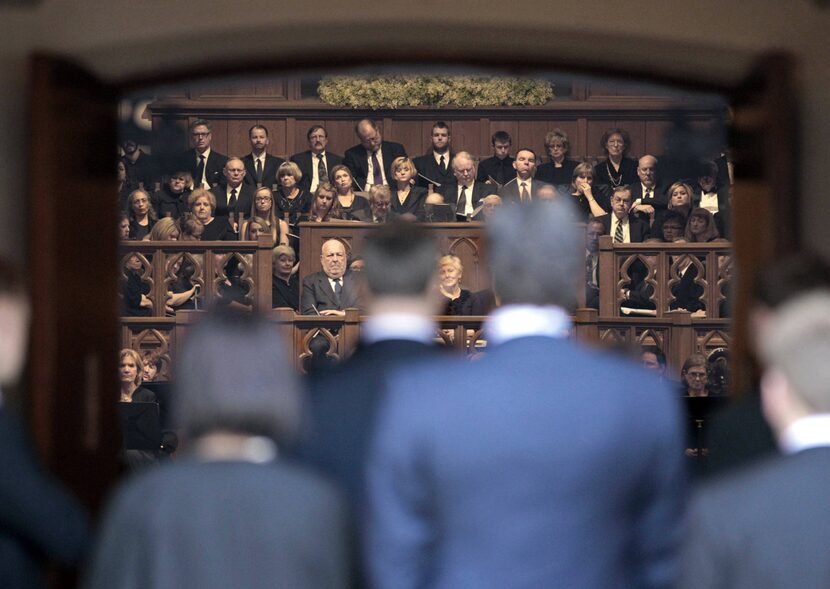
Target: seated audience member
(182, 291)
(649, 197)
(680, 200)
(134, 290)
(231, 514)
(620, 224)
(203, 207)
(130, 373)
(260, 166)
(591, 201)
(356, 264)
(233, 196)
(142, 215)
(618, 169)
(489, 205)
(332, 290)
(450, 272)
(715, 199)
(559, 170)
(292, 201)
(123, 226)
(380, 202)
(326, 206)
(171, 200)
(547, 192)
(767, 525)
(352, 206)
(434, 166)
(232, 291)
(672, 227)
(654, 360)
(202, 162)
(191, 228)
(523, 186)
(41, 523)
(465, 192)
(140, 167)
(700, 227)
(370, 161)
(264, 206)
(695, 376)
(151, 362)
(255, 227)
(125, 185)
(498, 170)
(166, 229)
(315, 162)
(285, 283)
(593, 230)
(406, 198)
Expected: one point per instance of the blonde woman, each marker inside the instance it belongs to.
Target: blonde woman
(450, 272)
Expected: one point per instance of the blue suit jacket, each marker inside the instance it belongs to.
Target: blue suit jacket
(547, 465)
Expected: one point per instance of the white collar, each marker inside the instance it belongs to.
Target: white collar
(515, 321)
(438, 157)
(259, 157)
(398, 326)
(808, 432)
(206, 154)
(314, 155)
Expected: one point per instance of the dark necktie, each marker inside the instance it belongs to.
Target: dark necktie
(259, 172)
(523, 195)
(648, 194)
(462, 202)
(618, 233)
(378, 174)
(321, 169)
(200, 172)
(443, 163)
(338, 288)
(232, 200)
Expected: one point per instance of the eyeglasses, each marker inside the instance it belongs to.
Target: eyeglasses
(696, 374)
(263, 199)
(200, 134)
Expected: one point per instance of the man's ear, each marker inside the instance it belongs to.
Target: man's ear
(778, 402)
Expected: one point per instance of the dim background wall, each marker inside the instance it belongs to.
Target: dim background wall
(705, 39)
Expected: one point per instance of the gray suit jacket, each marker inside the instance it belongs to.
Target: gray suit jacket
(317, 293)
(531, 469)
(768, 526)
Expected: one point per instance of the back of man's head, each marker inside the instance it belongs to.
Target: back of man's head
(796, 343)
(400, 260)
(535, 253)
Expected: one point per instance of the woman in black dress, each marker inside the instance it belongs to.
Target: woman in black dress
(203, 207)
(285, 284)
(587, 197)
(450, 272)
(142, 215)
(134, 290)
(326, 205)
(352, 206)
(291, 200)
(617, 169)
(406, 198)
(559, 170)
(701, 227)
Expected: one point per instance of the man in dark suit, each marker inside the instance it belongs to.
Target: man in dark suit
(769, 525)
(234, 196)
(434, 166)
(546, 465)
(316, 163)
(141, 167)
(497, 170)
(710, 196)
(593, 229)
(464, 191)
(400, 266)
(371, 160)
(39, 521)
(260, 166)
(333, 290)
(204, 164)
(619, 223)
(522, 188)
(647, 195)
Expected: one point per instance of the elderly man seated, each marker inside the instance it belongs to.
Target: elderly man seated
(333, 290)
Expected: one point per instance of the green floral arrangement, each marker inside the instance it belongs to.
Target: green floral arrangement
(408, 91)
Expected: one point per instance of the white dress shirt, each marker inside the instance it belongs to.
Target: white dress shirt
(626, 229)
(370, 177)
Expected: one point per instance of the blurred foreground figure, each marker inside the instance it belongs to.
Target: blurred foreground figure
(233, 514)
(769, 526)
(38, 520)
(546, 465)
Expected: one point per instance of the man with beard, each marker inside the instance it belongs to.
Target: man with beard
(315, 163)
(434, 166)
(260, 166)
(141, 167)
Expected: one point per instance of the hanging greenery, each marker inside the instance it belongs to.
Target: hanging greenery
(408, 91)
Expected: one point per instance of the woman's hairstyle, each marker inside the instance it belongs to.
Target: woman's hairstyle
(263, 224)
(334, 211)
(136, 358)
(557, 135)
(450, 260)
(377, 190)
(615, 131)
(191, 227)
(689, 190)
(164, 229)
(404, 162)
(151, 357)
(692, 361)
(339, 168)
(289, 169)
(711, 232)
(272, 220)
(579, 170)
(151, 212)
(197, 194)
(284, 250)
(260, 396)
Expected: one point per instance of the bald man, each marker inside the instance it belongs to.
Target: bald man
(234, 196)
(370, 161)
(465, 192)
(648, 196)
(332, 290)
